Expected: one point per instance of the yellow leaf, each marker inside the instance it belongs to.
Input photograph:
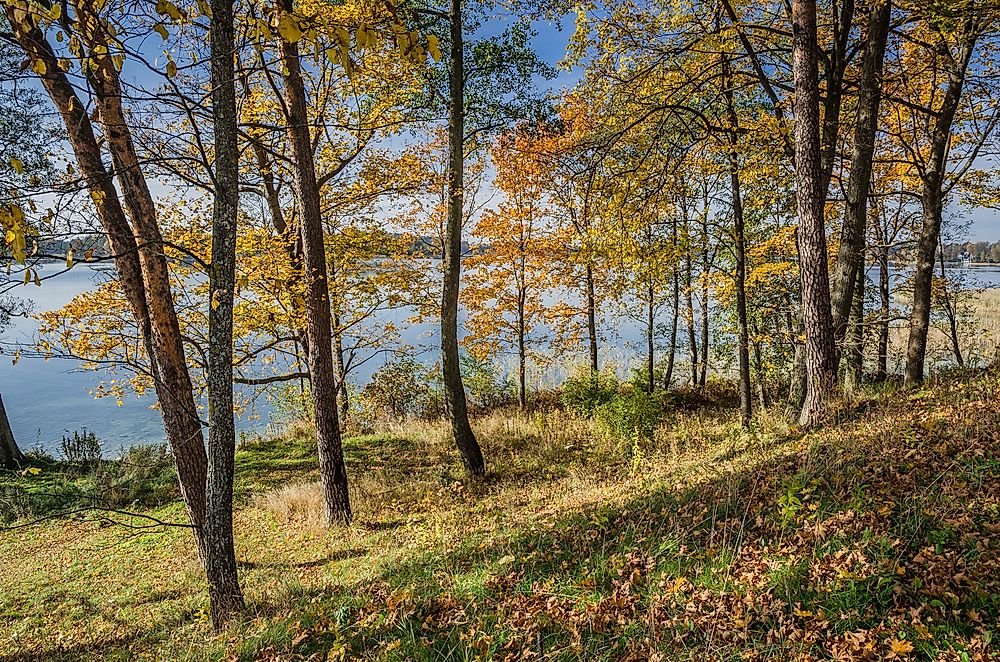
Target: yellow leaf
(901, 646)
(69, 259)
(289, 29)
(17, 165)
(168, 8)
(161, 30)
(434, 48)
(39, 67)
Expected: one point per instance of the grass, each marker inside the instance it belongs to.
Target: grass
(874, 538)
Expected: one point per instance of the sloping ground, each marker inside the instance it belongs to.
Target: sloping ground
(874, 538)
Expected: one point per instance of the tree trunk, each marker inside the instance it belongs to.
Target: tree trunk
(932, 205)
(650, 358)
(882, 370)
(758, 361)
(740, 251)
(323, 382)
(338, 348)
(797, 378)
(179, 411)
(10, 455)
(821, 365)
(225, 596)
(454, 389)
(854, 337)
(668, 374)
(591, 317)
(746, 402)
(689, 316)
(706, 267)
(852, 237)
(834, 66)
(522, 352)
(161, 339)
(950, 313)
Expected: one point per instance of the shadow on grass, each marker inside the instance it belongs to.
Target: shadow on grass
(337, 555)
(742, 562)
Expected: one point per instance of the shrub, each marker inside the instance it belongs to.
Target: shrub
(143, 475)
(587, 391)
(486, 389)
(402, 389)
(631, 416)
(81, 448)
(290, 403)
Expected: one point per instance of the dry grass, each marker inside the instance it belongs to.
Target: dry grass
(298, 504)
(978, 334)
(708, 542)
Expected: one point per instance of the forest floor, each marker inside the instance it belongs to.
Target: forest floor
(875, 537)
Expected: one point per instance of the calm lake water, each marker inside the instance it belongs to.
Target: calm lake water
(47, 399)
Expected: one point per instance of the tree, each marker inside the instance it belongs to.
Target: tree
(225, 596)
(507, 278)
(454, 391)
(945, 49)
(135, 241)
(10, 455)
(850, 257)
(323, 386)
(821, 366)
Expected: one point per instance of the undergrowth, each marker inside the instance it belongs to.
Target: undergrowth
(875, 537)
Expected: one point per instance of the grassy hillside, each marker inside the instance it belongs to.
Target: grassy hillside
(874, 538)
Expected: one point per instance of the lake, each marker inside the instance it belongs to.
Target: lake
(47, 399)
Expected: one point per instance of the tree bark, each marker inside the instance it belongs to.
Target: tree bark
(668, 374)
(689, 315)
(10, 455)
(454, 389)
(225, 596)
(323, 381)
(136, 251)
(338, 348)
(932, 205)
(650, 358)
(522, 352)
(759, 368)
(179, 409)
(821, 366)
(852, 237)
(591, 317)
(739, 250)
(950, 313)
(854, 338)
(706, 266)
(882, 369)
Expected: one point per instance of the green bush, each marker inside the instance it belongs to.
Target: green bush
(81, 448)
(487, 390)
(402, 389)
(631, 416)
(142, 475)
(585, 392)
